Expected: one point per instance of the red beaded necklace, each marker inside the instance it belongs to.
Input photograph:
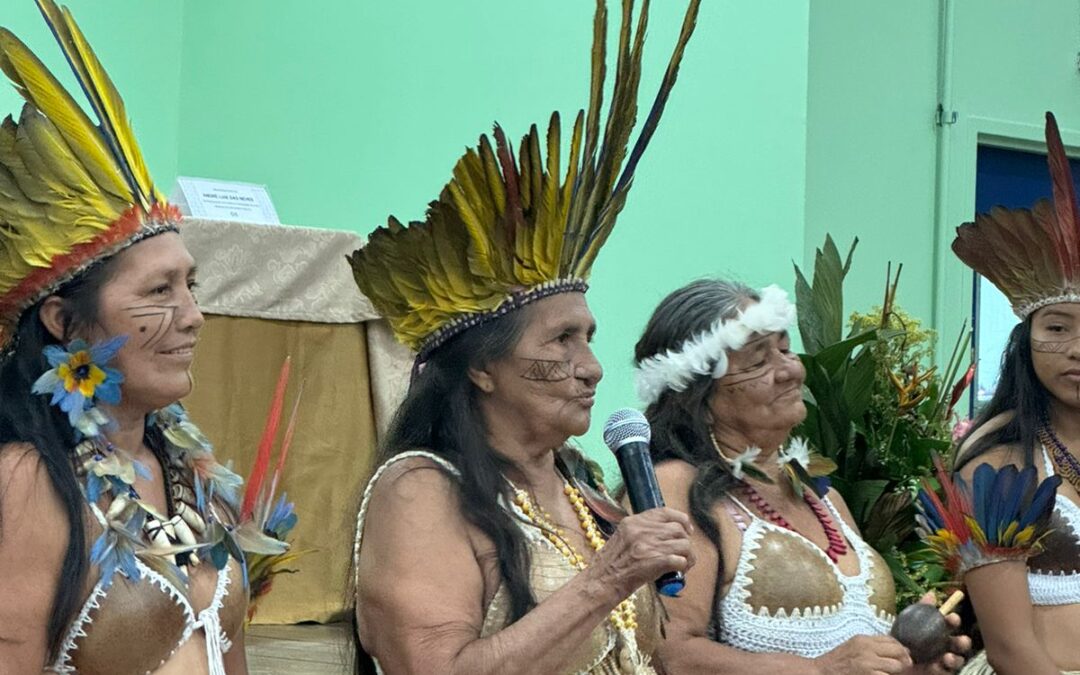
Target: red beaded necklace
(837, 546)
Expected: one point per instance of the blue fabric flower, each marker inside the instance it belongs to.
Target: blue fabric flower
(79, 378)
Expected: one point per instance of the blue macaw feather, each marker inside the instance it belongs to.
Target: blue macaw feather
(933, 518)
(1006, 477)
(1042, 503)
(200, 494)
(100, 549)
(129, 567)
(219, 556)
(108, 569)
(982, 487)
(280, 513)
(1012, 500)
(117, 486)
(94, 485)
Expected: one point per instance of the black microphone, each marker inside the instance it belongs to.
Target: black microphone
(627, 434)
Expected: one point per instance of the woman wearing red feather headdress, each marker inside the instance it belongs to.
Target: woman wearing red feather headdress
(1028, 601)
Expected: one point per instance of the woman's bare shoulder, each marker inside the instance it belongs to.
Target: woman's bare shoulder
(996, 456)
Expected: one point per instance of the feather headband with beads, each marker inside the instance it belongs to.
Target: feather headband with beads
(1031, 255)
(706, 353)
(507, 231)
(72, 192)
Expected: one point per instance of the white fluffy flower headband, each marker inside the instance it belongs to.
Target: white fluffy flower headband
(706, 354)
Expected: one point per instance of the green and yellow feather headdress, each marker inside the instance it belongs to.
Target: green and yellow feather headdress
(507, 231)
(71, 192)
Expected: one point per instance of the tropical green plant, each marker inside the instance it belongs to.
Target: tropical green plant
(878, 408)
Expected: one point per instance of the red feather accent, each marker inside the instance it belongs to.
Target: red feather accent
(285, 444)
(1068, 225)
(514, 216)
(957, 501)
(262, 459)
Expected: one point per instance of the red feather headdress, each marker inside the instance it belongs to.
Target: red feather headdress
(1032, 255)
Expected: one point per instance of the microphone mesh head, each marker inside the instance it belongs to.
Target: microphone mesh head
(624, 426)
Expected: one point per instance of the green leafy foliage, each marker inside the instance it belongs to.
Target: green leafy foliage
(878, 408)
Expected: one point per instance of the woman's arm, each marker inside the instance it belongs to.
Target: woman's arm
(33, 541)
(420, 600)
(235, 659)
(688, 649)
(1002, 601)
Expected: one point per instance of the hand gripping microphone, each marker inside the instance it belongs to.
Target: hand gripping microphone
(627, 434)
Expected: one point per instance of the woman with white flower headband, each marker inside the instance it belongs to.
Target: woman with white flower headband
(783, 581)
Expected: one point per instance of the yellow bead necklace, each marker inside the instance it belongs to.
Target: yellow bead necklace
(624, 616)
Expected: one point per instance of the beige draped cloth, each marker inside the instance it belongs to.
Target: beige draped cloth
(269, 292)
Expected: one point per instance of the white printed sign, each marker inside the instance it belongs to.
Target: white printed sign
(224, 200)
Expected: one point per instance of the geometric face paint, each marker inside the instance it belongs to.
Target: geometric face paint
(1052, 346)
(155, 320)
(546, 370)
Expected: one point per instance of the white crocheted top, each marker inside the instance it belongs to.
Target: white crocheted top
(1063, 588)
(809, 631)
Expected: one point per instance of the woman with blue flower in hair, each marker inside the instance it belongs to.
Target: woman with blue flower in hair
(118, 546)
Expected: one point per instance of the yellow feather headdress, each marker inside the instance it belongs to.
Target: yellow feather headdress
(71, 192)
(507, 231)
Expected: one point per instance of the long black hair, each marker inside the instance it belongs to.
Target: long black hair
(441, 414)
(29, 418)
(1019, 391)
(680, 419)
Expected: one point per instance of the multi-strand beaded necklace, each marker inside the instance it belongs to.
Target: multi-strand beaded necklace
(837, 546)
(1065, 463)
(624, 616)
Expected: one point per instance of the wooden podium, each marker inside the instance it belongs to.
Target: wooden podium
(269, 292)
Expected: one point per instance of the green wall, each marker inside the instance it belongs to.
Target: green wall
(871, 143)
(351, 116)
(140, 45)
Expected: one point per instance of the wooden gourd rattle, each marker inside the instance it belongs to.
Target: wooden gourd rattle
(922, 629)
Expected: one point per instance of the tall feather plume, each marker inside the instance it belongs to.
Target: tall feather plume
(616, 201)
(105, 99)
(1031, 255)
(1068, 221)
(71, 191)
(40, 89)
(523, 223)
(266, 443)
